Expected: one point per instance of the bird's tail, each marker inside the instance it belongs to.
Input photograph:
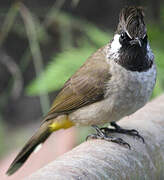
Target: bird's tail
(39, 137)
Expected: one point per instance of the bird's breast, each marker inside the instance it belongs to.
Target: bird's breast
(127, 91)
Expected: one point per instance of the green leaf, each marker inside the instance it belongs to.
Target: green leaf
(59, 70)
(159, 87)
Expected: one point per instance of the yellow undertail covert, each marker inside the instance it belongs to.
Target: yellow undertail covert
(62, 123)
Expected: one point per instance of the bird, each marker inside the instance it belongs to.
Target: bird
(114, 82)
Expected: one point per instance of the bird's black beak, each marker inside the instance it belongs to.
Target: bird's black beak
(136, 42)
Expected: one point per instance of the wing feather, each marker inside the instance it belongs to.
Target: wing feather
(86, 86)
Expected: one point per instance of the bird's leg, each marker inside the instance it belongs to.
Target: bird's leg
(100, 134)
(118, 129)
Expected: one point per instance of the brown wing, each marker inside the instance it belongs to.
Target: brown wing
(85, 86)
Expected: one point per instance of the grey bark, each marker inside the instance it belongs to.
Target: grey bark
(102, 160)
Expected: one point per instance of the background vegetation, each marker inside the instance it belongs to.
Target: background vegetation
(42, 43)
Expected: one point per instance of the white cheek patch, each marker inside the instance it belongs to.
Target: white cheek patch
(115, 45)
(113, 50)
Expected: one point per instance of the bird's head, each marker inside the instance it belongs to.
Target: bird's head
(131, 27)
(130, 45)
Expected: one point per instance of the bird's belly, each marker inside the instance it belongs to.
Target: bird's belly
(126, 93)
(93, 114)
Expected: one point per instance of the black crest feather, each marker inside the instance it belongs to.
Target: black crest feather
(131, 20)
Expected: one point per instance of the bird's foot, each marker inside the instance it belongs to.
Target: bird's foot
(118, 129)
(101, 134)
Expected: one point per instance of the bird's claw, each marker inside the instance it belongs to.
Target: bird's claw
(118, 129)
(103, 135)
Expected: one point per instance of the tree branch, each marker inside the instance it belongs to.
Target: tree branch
(99, 159)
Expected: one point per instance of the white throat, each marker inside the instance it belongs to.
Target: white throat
(113, 50)
(115, 45)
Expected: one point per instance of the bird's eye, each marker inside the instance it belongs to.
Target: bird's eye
(124, 38)
(122, 35)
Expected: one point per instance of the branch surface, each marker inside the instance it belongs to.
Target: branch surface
(102, 160)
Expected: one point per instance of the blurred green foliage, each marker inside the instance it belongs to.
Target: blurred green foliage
(156, 38)
(59, 70)
(159, 57)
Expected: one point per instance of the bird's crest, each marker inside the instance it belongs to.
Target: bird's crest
(131, 21)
